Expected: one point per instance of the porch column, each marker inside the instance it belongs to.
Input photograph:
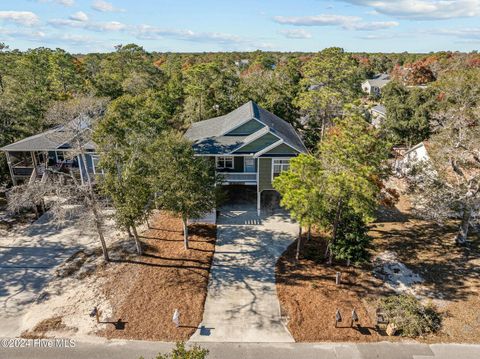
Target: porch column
(9, 162)
(80, 168)
(258, 203)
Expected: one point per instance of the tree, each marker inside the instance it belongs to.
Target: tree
(449, 184)
(129, 70)
(124, 182)
(122, 137)
(184, 183)
(331, 79)
(342, 177)
(209, 90)
(409, 113)
(299, 193)
(352, 240)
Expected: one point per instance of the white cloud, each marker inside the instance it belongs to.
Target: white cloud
(148, 32)
(61, 2)
(26, 18)
(66, 2)
(79, 16)
(372, 26)
(104, 6)
(13, 34)
(296, 34)
(318, 20)
(89, 25)
(423, 9)
(346, 22)
(471, 33)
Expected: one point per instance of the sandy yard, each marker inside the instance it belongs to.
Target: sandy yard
(409, 256)
(145, 291)
(141, 291)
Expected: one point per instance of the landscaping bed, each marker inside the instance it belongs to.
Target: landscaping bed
(145, 290)
(421, 255)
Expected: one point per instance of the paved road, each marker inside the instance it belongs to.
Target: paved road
(26, 264)
(242, 303)
(135, 349)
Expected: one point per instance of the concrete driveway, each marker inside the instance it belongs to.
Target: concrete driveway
(27, 260)
(242, 303)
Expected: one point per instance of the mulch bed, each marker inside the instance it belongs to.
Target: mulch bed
(310, 298)
(145, 290)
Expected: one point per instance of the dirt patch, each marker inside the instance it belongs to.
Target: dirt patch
(144, 291)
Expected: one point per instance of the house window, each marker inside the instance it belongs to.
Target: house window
(279, 166)
(225, 162)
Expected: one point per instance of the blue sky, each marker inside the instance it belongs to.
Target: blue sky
(214, 25)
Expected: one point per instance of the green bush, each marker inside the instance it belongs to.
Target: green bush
(410, 317)
(180, 352)
(353, 240)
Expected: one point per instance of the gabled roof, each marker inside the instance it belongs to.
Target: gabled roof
(380, 109)
(379, 80)
(55, 138)
(210, 136)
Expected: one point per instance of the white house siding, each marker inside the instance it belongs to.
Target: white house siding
(414, 156)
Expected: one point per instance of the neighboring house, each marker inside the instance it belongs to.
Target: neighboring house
(414, 156)
(242, 63)
(379, 115)
(374, 86)
(28, 158)
(250, 146)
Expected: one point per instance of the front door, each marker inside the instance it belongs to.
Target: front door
(249, 164)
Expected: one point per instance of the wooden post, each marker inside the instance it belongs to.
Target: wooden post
(338, 318)
(337, 278)
(12, 174)
(354, 317)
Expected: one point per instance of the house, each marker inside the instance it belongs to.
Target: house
(414, 156)
(250, 146)
(242, 63)
(379, 115)
(28, 158)
(374, 85)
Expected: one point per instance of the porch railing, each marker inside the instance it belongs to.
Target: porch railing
(239, 176)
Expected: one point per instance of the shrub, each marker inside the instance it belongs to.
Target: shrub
(409, 315)
(352, 239)
(180, 352)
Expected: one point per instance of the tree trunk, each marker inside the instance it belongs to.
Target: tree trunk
(138, 244)
(338, 212)
(185, 232)
(98, 225)
(93, 205)
(130, 235)
(461, 238)
(299, 243)
(309, 233)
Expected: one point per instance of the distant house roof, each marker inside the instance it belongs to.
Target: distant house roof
(56, 138)
(379, 80)
(211, 136)
(380, 109)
